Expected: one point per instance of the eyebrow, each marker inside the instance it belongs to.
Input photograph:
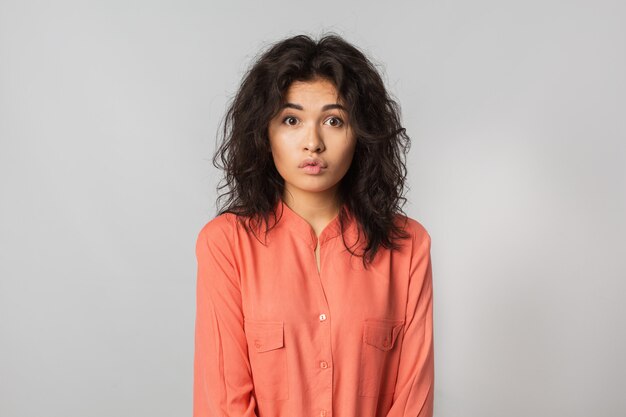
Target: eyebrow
(324, 108)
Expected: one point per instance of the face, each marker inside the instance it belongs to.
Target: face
(312, 126)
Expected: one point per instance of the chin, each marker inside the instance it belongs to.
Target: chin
(316, 189)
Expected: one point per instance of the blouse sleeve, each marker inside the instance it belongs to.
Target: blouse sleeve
(222, 383)
(414, 392)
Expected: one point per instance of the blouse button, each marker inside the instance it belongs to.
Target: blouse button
(257, 344)
(386, 342)
(322, 317)
(323, 364)
(323, 413)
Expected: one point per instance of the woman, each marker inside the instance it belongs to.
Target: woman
(289, 321)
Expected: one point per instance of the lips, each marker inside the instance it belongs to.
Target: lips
(312, 161)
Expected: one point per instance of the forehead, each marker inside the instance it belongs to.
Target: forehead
(318, 88)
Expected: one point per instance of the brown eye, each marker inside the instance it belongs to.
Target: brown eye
(286, 119)
(337, 121)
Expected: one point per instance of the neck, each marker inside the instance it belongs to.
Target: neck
(313, 206)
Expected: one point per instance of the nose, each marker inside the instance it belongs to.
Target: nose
(313, 141)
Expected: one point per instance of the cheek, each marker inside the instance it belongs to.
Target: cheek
(280, 151)
(276, 145)
(348, 155)
(284, 157)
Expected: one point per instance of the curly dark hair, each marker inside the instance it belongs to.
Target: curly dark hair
(373, 185)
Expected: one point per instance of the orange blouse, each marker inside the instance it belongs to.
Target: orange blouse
(276, 338)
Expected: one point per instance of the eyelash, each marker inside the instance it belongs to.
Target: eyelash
(333, 117)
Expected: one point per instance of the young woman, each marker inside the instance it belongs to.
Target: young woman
(314, 292)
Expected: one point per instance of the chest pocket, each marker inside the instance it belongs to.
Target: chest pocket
(268, 358)
(380, 356)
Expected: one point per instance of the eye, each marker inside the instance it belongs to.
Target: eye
(338, 122)
(286, 119)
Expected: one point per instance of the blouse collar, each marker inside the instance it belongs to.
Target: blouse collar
(292, 220)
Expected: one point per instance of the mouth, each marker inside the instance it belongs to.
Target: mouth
(312, 162)
(312, 168)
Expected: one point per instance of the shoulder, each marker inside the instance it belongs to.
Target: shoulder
(217, 231)
(419, 235)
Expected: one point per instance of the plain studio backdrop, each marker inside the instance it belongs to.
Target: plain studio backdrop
(109, 113)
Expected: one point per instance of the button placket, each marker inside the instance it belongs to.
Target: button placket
(324, 366)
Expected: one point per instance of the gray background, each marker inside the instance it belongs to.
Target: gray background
(108, 116)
